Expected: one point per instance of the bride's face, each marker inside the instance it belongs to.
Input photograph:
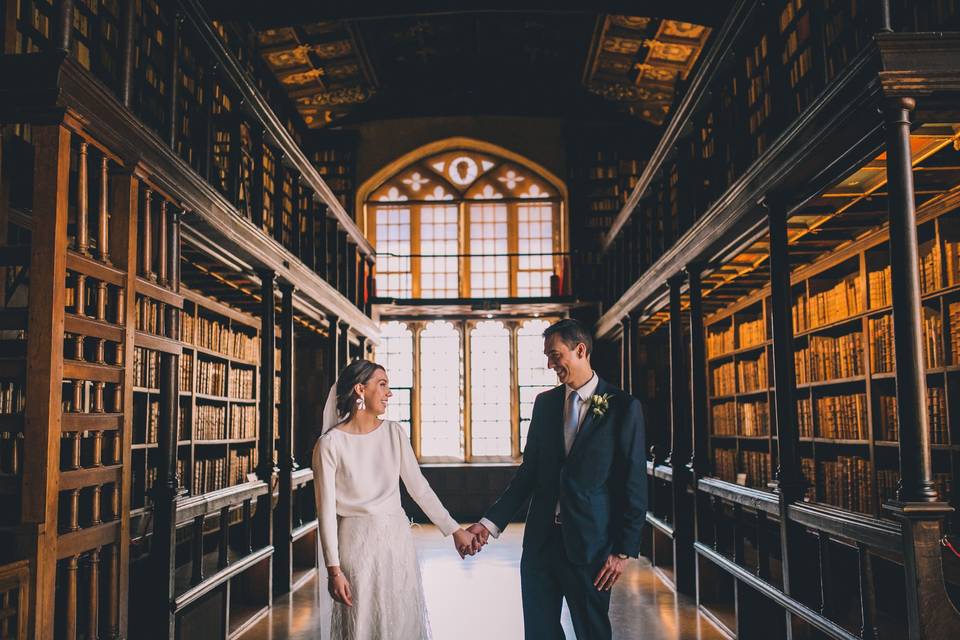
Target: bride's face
(376, 393)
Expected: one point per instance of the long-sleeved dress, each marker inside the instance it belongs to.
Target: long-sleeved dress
(365, 531)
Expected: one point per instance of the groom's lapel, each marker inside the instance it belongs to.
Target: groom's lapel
(589, 422)
(556, 418)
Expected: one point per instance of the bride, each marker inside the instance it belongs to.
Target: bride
(372, 571)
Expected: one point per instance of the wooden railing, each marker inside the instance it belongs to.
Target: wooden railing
(14, 593)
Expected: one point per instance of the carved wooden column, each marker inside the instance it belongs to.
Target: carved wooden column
(683, 557)
(930, 613)
(63, 25)
(282, 558)
(790, 482)
(166, 490)
(37, 535)
(268, 343)
(699, 464)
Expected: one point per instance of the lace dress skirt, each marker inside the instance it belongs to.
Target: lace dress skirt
(378, 558)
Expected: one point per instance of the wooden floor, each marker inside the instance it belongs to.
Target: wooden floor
(479, 598)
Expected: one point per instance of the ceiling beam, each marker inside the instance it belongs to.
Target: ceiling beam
(289, 12)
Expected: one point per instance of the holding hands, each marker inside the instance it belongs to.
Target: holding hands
(469, 542)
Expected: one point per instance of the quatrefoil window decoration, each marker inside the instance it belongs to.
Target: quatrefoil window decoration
(534, 192)
(416, 181)
(511, 179)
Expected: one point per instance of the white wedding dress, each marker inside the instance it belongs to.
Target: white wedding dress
(365, 531)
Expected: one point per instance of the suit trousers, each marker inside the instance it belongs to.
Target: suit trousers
(547, 577)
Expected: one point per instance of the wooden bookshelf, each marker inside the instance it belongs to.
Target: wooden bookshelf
(844, 358)
(334, 156)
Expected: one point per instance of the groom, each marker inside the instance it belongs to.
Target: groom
(584, 469)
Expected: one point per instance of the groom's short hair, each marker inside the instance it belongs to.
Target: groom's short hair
(571, 333)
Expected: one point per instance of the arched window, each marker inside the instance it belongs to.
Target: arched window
(464, 223)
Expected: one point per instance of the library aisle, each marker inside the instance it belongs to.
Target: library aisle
(479, 599)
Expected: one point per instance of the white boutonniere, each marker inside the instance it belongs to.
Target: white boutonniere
(599, 404)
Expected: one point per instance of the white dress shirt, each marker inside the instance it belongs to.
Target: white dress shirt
(585, 392)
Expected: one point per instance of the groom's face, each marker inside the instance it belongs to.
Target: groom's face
(569, 364)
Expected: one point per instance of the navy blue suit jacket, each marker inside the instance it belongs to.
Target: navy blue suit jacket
(601, 485)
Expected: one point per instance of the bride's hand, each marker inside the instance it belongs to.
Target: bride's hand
(466, 543)
(339, 589)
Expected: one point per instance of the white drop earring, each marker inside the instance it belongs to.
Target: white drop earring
(361, 404)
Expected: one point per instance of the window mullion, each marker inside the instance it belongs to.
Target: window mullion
(415, 288)
(512, 247)
(463, 244)
(514, 393)
(415, 432)
(466, 326)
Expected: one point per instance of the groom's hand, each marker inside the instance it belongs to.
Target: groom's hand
(480, 531)
(609, 573)
(466, 543)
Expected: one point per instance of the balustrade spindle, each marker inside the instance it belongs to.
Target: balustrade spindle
(83, 230)
(5, 621)
(113, 595)
(146, 250)
(93, 563)
(121, 317)
(70, 596)
(738, 533)
(96, 495)
(162, 241)
(103, 224)
(97, 448)
(73, 521)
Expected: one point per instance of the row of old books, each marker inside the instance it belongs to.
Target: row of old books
(719, 341)
(217, 336)
(843, 417)
(148, 415)
(212, 378)
(146, 368)
(210, 422)
(879, 285)
(750, 333)
(209, 474)
(752, 374)
(243, 421)
(889, 479)
(241, 463)
(835, 357)
(808, 467)
(799, 312)
(881, 344)
(848, 483)
(951, 251)
(242, 384)
(149, 317)
(881, 340)
(186, 371)
(724, 379)
(888, 428)
(724, 419)
(754, 418)
(12, 397)
(11, 453)
(756, 464)
(725, 464)
(805, 417)
(842, 300)
(930, 273)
